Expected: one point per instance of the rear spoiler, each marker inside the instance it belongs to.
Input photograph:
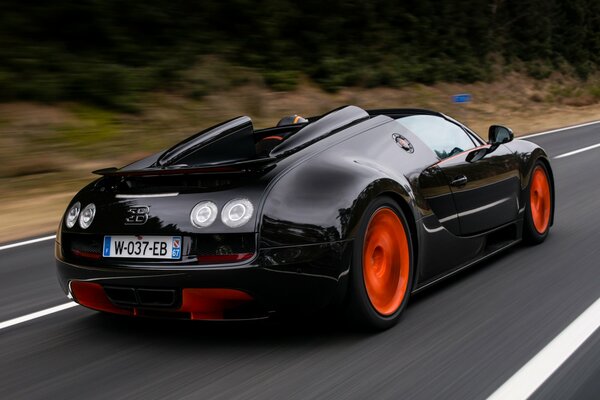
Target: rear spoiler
(235, 168)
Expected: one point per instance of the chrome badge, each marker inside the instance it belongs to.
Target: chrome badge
(137, 215)
(403, 142)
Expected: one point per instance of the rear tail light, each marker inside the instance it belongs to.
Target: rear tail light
(224, 258)
(237, 213)
(204, 214)
(72, 215)
(86, 254)
(87, 216)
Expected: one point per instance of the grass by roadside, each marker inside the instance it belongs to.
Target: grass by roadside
(49, 151)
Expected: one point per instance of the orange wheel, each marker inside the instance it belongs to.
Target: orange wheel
(540, 200)
(386, 261)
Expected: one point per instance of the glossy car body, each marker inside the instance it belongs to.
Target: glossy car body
(309, 193)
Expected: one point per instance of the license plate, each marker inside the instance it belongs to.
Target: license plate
(158, 247)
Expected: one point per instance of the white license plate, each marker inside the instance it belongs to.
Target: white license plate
(159, 247)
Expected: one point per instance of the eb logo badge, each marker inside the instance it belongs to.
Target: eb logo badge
(137, 215)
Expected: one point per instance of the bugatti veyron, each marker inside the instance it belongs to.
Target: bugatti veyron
(354, 210)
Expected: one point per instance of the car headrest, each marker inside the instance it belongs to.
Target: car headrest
(291, 120)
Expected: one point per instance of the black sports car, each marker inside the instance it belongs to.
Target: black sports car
(353, 209)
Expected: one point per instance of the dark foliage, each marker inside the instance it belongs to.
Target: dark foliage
(106, 51)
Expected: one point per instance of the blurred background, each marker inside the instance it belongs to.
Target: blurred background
(97, 83)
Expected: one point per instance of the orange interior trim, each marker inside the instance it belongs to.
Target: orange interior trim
(273, 138)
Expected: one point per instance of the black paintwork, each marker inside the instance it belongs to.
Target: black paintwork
(310, 193)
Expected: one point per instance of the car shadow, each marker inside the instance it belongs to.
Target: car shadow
(465, 274)
(289, 331)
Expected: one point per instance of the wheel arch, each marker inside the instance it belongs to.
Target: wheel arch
(529, 154)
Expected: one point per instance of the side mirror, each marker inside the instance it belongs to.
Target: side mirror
(499, 134)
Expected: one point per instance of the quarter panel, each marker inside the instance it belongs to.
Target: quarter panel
(323, 198)
(527, 154)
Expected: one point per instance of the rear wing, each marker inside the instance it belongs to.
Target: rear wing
(234, 168)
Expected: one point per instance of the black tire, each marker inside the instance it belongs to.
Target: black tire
(360, 310)
(531, 235)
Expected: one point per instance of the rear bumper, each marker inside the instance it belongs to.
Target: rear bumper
(299, 278)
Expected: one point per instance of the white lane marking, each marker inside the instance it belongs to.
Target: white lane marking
(578, 151)
(10, 246)
(566, 128)
(37, 314)
(533, 374)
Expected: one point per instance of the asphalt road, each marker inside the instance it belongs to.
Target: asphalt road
(461, 339)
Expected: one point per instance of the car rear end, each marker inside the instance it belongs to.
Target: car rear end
(182, 245)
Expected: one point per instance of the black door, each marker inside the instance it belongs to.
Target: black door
(486, 192)
(436, 191)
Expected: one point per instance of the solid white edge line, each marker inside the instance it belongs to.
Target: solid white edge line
(533, 374)
(578, 151)
(37, 314)
(31, 241)
(26, 242)
(566, 128)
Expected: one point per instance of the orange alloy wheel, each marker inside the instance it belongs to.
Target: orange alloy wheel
(386, 261)
(539, 199)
